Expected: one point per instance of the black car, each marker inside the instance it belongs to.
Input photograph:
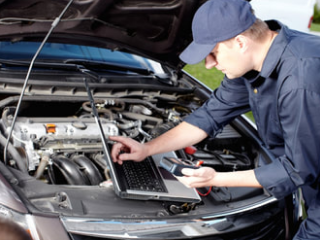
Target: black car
(73, 73)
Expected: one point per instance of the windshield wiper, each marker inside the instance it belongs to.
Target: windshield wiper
(61, 66)
(109, 66)
(161, 77)
(86, 66)
(71, 63)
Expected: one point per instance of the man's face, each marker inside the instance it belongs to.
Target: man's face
(227, 57)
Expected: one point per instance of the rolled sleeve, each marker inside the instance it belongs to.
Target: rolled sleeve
(274, 178)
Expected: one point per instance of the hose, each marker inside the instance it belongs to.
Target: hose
(21, 163)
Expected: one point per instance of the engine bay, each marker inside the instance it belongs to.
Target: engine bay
(68, 149)
(57, 144)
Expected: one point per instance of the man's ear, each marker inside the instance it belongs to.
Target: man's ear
(241, 42)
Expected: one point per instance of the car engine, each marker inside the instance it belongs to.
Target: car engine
(61, 146)
(68, 149)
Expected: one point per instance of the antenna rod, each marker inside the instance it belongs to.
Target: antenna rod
(53, 25)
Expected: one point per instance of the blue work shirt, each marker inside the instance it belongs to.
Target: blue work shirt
(285, 101)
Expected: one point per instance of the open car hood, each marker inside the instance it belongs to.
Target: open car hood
(156, 29)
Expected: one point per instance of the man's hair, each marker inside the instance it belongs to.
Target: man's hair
(257, 30)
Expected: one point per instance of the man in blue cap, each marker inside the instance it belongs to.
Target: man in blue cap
(272, 71)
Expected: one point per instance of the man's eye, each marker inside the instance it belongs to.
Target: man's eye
(213, 55)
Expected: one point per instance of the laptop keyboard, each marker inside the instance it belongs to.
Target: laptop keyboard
(143, 176)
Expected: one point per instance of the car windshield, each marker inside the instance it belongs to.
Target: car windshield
(58, 51)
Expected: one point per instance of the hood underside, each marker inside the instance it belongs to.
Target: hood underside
(156, 29)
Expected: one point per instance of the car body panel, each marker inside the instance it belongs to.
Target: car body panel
(9, 198)
(159, 29)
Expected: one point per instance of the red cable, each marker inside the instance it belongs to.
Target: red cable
(204, 194)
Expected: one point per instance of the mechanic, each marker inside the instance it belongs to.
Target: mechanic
(272, 71)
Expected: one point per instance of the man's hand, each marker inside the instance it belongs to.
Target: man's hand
(127, 149)
(206, 176)
(179, 137)
(196, 178)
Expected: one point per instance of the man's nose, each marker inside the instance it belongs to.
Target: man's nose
(210, 62)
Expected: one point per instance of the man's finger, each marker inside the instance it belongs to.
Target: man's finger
(187, 172)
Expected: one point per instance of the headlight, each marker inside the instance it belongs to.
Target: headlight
(24, 220)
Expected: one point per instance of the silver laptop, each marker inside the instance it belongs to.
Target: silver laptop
(172, 190)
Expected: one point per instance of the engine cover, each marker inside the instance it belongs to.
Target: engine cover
(66, 135)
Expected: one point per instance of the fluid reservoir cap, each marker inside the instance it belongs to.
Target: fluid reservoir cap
(50, 128)
(190, 150)
(79, 125)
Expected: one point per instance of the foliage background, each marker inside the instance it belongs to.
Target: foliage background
(316, 14)
(210, 77)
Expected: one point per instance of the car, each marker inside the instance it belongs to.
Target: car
(73, 73)
(296, 14)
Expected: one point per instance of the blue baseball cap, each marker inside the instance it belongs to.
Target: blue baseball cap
(216, 21)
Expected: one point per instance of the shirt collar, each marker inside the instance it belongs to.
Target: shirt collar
(276, 49)
(274, 53)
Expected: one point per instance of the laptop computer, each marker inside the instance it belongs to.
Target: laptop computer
(172, 190)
